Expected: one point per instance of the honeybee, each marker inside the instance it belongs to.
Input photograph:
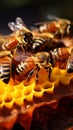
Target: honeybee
(50, 27)
(32, 63)
(69, 66)
(20, 35)
(5, 66)
(57, 26)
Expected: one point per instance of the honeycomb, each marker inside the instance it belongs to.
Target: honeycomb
(18, 100)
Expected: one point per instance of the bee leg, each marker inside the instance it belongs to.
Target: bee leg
(37, 70)
(49, 69)
(30, 75)
(36, 77)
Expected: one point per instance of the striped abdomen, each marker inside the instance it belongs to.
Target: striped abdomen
(5, 69)
(25, 66)
(39, 44)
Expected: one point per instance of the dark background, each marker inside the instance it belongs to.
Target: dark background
(32, 11)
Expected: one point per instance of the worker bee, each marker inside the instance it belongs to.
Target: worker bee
(20, 35)
(69, 66)
(50, 27)
(57, 26)
(31, 64)
(5, 66)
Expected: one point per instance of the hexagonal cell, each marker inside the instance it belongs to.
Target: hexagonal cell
(37, 88)
(27, 90)
(17, 93)
(8, 100)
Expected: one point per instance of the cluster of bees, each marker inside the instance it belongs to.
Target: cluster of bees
(25, 51)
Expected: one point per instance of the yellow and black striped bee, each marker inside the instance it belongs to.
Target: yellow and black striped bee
(20, 35)
(32, 63)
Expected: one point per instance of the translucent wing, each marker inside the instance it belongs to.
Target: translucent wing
(11, 25)
(41, 23)
(19, 21)
(19, 24)
(52, 17)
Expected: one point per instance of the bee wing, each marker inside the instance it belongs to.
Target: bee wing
(19, 21)
(13, 26)
(52, 18)
(40, 23)
(16, 26)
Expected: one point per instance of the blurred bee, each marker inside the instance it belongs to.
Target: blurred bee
(44, 27)
(57, 26)
(69, 66)
(32, 63)
(5, 66)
